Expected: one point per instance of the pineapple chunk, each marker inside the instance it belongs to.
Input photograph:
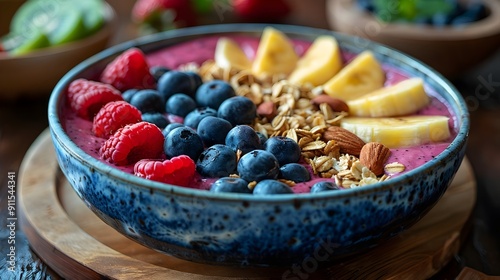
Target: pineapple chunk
(319, 64)
(275, 54)
(359, 77)
(399, 132)
(229, 55)
(403, 98)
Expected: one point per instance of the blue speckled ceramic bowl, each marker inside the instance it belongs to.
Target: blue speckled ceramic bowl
(237, 229)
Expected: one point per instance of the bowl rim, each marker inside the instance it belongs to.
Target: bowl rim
(110, 24)
(57, 131)
(487, 27)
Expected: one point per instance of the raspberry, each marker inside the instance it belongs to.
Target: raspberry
(132, 143)
(87, 97)
(129, 70)
(158, 13)
(113, 116)
(176, 171)
(144, 9)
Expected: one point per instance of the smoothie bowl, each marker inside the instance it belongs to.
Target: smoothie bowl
(288, 140)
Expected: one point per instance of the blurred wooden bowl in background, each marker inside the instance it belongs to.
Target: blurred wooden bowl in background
(450, 50)
(35, 74)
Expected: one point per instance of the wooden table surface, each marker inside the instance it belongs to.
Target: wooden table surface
(21, 121)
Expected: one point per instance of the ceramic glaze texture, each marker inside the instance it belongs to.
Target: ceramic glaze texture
(237, 229)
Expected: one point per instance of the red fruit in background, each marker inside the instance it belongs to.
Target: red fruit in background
(177, 170)
(164, 13)
(86, 97)
(261, 10)
(114, 116)
(129, 70)
(132, 143)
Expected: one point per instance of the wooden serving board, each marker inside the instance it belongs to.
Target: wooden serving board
(78, 245)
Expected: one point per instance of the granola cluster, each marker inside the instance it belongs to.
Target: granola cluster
(286, 109)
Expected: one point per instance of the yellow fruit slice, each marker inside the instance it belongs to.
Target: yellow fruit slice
(359, 77)
(275, 54)
(399, 132)
(319, 64)
(403, 98)
(228, 54)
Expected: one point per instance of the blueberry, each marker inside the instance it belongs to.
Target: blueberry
(147, 101)
(196, 80)
(258, 165)
(295, 172)
(174, 82)
(180, 104)
(366, 5)
(213, 93)
(476, 10)
(457, 9)
(472, 13)
(324, 186)
(462, 20)
(183, 141)
(213, 130)
(158, 71)
(217, 161)
(283, 148)
(244, 138)
(262, 137)
(422, 20)
(155, 118)
(230, 184)
(271, 187)
(194, 117)
(170, 127)
(440, 19)
(237, 110)
(127, 95)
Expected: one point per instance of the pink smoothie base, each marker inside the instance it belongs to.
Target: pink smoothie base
(200, 50)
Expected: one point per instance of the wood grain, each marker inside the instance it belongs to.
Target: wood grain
(78, 245)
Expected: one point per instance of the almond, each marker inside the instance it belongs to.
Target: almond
(348, 142)
(267, 109)
(336, 104)
(374, 155)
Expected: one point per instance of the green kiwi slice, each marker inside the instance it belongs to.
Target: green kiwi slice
(61, 20)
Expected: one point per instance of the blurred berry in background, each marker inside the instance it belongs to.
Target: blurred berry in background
(433, 12)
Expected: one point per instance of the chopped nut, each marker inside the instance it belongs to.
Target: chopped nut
(267, 109)
(335, 104)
